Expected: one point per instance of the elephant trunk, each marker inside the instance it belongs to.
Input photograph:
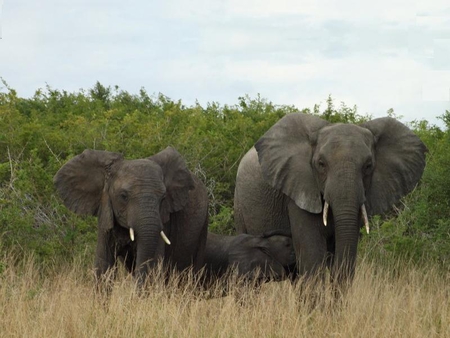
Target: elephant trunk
(346, 200)
(346, 220)
(147, 235)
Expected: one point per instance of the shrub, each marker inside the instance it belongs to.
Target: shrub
(39, 134)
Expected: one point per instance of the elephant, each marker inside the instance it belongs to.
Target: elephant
(148, 209)
(323, 180)
(265, 257)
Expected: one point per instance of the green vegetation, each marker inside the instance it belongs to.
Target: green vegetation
(41, 133)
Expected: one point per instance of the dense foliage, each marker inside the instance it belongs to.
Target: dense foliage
(41, 133)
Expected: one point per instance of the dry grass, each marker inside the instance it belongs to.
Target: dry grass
(395, 302)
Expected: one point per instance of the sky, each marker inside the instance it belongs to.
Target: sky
(378, 55)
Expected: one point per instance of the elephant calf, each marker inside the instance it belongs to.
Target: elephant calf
(266, 257)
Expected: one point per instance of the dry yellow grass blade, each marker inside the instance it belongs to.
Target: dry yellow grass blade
(395, 302)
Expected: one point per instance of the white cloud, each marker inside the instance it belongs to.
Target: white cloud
(376, 55)
(265, 72)
(435, 7)
(353, 10)
(436, 86)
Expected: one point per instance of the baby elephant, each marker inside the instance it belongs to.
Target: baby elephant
(266, 257)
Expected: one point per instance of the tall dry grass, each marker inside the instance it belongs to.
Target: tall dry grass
(395, 301)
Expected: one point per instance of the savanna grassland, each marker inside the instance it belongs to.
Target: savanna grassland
(400, 301)
(401, 287)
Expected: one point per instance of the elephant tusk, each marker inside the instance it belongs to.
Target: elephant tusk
(325, 213)
(164, 237)
(132, 234)
(366, 220)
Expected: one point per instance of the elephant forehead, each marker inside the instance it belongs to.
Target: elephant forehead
(344, 129)
(140, 169)
(345, 136)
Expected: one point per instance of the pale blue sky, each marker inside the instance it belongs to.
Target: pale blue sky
(387, 54)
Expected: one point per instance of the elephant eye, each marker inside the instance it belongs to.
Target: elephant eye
(124, 196)
(368, 167)
(321, 164)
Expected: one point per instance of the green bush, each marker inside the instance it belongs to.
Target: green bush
(39, 134)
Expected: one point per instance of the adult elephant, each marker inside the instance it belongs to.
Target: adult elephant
(321, 179)
(265, 257)
(140, 204)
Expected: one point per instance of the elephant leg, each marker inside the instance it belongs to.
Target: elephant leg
(309, 241)
(104, 258)
(199, 256)
(129, 260)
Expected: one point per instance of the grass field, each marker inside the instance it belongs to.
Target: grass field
(399, 301)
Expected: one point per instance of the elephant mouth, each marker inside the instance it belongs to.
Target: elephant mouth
(163, 236)
(363, 212)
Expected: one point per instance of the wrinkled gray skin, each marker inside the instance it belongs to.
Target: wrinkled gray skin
(303, 161)
(148, 195)
(265, 257)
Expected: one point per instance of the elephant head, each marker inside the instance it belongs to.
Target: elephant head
(348, 169)
(270, 256)
(135, 196)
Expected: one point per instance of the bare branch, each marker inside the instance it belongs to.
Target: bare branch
(56, 157)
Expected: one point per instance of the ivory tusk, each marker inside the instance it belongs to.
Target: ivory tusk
(366, 220)
(132, 234)
(164, 237)
(325, 213)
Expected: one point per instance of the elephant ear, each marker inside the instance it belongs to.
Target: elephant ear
(81, 181)
(177, 179)
(105, 213)
(285, 153)
(399, 163)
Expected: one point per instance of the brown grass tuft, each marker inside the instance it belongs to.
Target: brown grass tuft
(400, 301)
